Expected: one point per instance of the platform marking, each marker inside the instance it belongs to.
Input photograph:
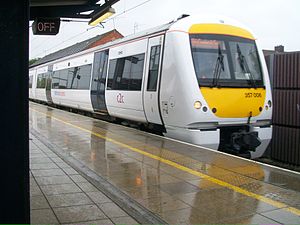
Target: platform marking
(269, 201)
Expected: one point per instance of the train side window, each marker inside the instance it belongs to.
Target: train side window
(136, 72)
(72, 81)
(84, 76)
(41, 81)
(126, 73)
(63, 79)
(153, 68)
(55, 80)
(30, 81)
(122, 74)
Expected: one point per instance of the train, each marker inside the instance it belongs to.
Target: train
(201, 79)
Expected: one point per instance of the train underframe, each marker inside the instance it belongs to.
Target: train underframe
(247, 141)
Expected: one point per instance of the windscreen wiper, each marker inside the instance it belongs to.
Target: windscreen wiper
(244, 65)
(219, 66)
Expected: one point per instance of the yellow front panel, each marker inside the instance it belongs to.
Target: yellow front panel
(234, 102)
(220, 29)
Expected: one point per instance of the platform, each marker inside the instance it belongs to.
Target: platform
(158, 180)
(60, 195)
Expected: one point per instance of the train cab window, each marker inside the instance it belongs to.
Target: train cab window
(126, 73)
(250, 64)
(222, 60)
(41, 81)
(208, 55)
(153, 68)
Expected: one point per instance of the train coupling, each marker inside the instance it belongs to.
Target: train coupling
(245, 141)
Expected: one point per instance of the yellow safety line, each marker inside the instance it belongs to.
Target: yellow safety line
(188, 170)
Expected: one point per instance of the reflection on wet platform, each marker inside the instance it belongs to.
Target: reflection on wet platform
(180, 183)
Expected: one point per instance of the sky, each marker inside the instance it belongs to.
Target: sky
(274, 22)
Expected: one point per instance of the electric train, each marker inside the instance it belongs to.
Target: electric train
(199, 79)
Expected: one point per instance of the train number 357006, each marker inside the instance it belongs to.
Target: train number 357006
(253, 95)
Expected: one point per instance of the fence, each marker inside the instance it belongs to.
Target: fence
(284, 70)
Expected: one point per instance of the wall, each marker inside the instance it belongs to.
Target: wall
(284, 72)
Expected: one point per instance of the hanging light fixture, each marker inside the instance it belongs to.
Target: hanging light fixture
(100, 17)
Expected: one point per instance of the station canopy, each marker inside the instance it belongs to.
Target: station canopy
(69, 8)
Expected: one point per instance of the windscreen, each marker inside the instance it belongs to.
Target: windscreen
(221, 60)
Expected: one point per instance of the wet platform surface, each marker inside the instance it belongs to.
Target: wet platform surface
(180, 183)
(60, 195)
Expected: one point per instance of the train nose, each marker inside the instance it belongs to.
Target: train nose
(234, 102)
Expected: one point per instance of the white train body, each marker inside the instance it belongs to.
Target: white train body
(75, 98)
(201, 79)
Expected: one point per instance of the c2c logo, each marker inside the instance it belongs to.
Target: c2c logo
(120, 98)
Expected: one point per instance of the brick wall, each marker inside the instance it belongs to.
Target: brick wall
(110, 36)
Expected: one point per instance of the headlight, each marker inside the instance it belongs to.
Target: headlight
(197, 105)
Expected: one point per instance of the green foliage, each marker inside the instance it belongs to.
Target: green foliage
(31, 61)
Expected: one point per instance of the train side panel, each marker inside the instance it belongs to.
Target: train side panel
(187, 112)
(71, 83)
(124, 97)
(40, 91)
(31, 83)
(264, 133)
(180, 91)
(78, 99)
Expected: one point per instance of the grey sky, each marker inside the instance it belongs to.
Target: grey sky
(274, 22)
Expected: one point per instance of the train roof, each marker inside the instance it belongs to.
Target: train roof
(73, 49)
(181, 23)
(84, 45)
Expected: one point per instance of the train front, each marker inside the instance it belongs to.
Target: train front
(232, 106)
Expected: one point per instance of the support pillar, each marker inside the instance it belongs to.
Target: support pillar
(14, 133)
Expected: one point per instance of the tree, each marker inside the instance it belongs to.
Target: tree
(31, 61)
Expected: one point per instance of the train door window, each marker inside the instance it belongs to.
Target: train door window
(136, 73)
(30, 81)
(153, 68)
(111, 73)
(103, 64)
(41, 81)
(100, 69)
(83, 76)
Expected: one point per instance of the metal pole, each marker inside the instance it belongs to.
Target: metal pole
(14, 144)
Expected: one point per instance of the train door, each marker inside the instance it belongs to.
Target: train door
(98, 82)
(152, 77)
(48, 84)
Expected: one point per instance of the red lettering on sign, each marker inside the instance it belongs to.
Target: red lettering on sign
(45, 26)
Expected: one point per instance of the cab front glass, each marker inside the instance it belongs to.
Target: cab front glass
(226, 61)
